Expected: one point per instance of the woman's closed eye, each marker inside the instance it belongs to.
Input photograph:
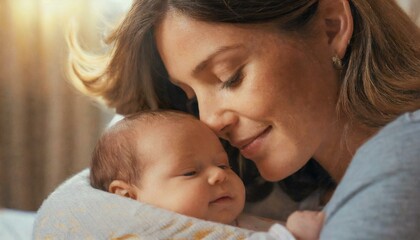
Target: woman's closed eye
(234, 80)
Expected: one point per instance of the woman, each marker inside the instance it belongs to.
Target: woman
(284, 82)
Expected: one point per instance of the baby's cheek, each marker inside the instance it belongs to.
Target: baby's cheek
(192, 207)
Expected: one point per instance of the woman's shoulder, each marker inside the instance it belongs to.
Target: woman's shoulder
(391, 157)
(397, 145)
(378, 195)
(394, 149)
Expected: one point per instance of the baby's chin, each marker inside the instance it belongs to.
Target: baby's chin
(225, 219)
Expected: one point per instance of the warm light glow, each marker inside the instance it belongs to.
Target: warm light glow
(51, 18)
(57, 11)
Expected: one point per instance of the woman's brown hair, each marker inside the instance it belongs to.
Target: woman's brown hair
(381, 75)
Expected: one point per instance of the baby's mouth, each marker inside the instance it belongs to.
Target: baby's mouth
(221, 200)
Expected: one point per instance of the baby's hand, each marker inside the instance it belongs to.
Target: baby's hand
(305, 225)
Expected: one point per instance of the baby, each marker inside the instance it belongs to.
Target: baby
(173, 161)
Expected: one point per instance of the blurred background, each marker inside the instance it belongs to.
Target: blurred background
(48, 129)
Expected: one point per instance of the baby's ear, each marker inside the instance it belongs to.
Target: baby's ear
(123, 189)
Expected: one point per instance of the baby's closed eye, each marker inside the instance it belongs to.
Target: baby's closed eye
(224, 166)
(190, 173)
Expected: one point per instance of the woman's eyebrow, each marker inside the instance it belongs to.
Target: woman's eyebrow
(206, 61)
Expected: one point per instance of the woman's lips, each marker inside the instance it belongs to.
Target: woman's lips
(250, 149)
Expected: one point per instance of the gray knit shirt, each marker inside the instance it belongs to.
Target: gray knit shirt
(379, 195)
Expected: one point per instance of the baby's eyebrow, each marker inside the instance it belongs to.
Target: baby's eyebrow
(203, 64)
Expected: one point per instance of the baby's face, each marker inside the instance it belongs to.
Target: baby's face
(186, 170)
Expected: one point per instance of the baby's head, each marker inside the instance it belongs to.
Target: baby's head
(170, 160)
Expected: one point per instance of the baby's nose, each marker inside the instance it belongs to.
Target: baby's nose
(217, 176)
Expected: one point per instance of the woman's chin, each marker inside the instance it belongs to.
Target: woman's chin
(276, 172)
(272, 175)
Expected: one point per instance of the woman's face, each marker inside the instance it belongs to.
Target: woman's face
(270, 94)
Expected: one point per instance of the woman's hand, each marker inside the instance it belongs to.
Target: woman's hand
(305, 225)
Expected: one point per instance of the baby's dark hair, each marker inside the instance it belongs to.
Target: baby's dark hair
(115, 156)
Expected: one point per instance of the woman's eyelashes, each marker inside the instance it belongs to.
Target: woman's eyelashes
(234, 80)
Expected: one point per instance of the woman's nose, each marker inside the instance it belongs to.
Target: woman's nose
(217, 176)
(216, 117)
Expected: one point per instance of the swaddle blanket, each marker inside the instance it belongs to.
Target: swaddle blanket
(75, 210)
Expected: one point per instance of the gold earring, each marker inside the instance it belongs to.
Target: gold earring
(337, 63)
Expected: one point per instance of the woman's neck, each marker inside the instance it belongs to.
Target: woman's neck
(336, 153)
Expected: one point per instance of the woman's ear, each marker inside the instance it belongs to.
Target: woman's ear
(123, 189)
(337, 24)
